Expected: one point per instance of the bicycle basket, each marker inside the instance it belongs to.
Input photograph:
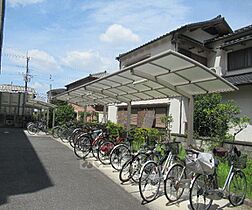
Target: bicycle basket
(203, 164)
(240, 162)
(174, 147)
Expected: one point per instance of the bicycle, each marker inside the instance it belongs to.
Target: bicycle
(152, 172)
(131, 168)
(121, 152)
(89, 142)
(178, 179)
(205, 188)
(35, 127)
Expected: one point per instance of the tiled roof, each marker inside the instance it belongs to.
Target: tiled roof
(15, 89)
(217, 19)
(236, 41)
(99, 74)
(89, 78)
(236, 32)
(240, 79)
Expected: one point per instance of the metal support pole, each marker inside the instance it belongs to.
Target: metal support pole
(53, 119)
(190, 121)
(85, 114)
(47, 118)
(44, 114)
(105, 116)
(128, 115)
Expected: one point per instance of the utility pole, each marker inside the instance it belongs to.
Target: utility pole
(50, 82)
(27, 76)
(26, 80)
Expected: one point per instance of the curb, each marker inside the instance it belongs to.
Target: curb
(248, 202)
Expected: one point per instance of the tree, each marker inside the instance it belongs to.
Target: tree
(64, 113)
(212, 116)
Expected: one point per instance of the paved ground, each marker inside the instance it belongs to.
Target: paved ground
(40, 173)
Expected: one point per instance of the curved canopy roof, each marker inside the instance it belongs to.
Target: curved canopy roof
(39, 104)
(168, 74)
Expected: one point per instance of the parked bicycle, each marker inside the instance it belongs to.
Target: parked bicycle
(35, 127)
(153, 172)
(205, 187)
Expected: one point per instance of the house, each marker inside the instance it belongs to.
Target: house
(212, 43)
(79, 109)
(13, 111)
(233, 61)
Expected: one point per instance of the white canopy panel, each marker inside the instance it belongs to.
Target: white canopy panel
(39, 104)
(168, 74)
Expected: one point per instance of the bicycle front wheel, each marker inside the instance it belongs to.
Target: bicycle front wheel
(171, 184)
(237, 188)
(119, 155)
(149, 181)
(198, 192)
(104, 152)
(32, 129)
(82, 147)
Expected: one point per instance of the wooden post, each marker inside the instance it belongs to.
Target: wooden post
(128, 115)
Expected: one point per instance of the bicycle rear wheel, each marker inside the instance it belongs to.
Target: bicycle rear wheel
(198, 192)
(149, 181)
(237, 187)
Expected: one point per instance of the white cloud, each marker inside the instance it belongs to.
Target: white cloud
(148, 20)
(41, 88)
(41, 61)
(85, 61)
(14, 3)
(117, 33)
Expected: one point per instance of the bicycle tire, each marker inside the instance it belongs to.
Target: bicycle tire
(199, 186)
(104, 152)
(125, 172)
(150, 178)
(119, 155)
(82, 148)
(32, 129)
(238, 179)
(172, 192)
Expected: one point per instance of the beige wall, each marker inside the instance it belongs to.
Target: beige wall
(243, 98)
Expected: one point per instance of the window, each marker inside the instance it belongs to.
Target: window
(240, 59)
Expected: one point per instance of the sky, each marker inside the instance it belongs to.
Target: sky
(68, 39)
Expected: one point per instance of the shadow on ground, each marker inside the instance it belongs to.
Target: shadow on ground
(21, 171)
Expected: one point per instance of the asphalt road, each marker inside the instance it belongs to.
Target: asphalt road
(40, 173)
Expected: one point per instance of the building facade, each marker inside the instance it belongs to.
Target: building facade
(212, 43)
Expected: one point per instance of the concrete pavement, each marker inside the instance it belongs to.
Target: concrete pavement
(37, 172)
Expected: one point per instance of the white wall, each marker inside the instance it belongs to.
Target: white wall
(243, 98)
(112, 114)
(152, 49)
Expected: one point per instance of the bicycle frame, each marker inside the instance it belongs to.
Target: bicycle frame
(167, 162)
(230, 173)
